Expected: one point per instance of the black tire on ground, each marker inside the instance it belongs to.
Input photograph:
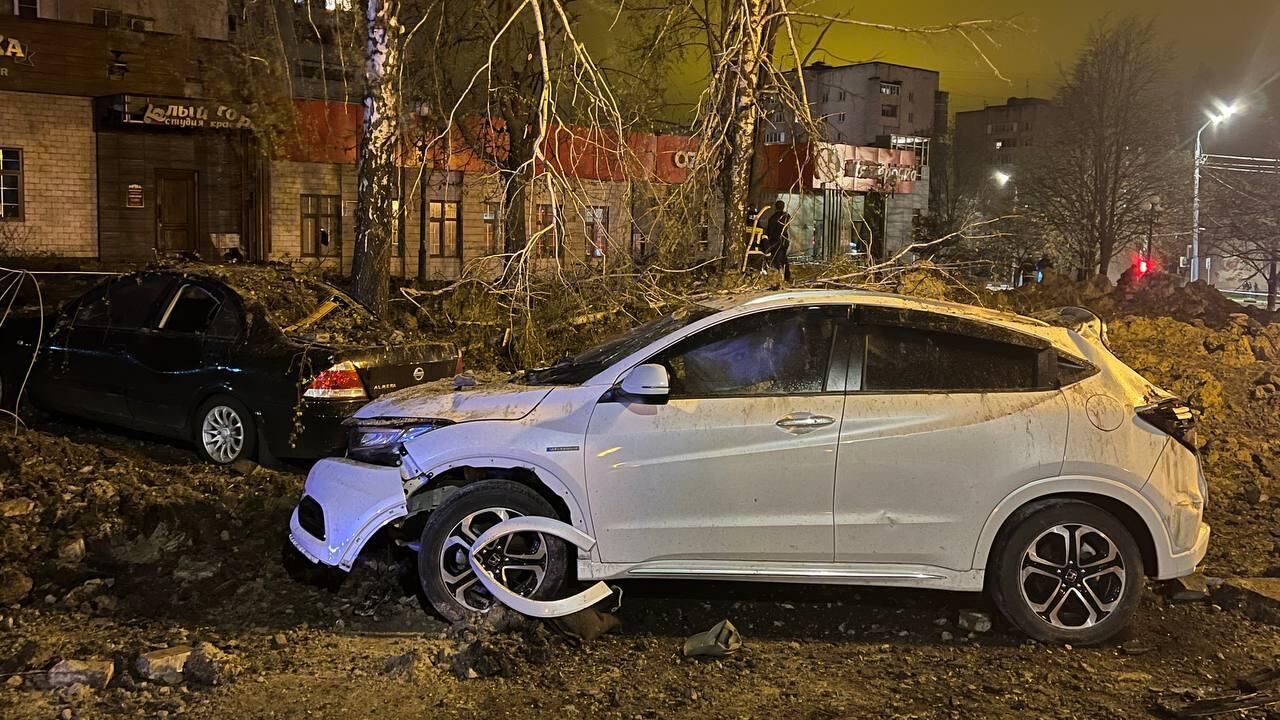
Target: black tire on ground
(219, 406)
(1007, 562)
(474, 498)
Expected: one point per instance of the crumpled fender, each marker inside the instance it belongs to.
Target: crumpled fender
(519, 603)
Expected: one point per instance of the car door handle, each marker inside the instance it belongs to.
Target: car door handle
(803, 422)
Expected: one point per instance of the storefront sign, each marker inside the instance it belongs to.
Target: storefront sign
(189, 114)
(865, 169)
(133, 197)
(12, 48)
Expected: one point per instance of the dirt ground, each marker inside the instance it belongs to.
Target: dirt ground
(114, 545)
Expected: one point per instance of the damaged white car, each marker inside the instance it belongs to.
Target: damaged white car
(816, 437)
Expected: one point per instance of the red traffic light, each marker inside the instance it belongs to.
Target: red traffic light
(1142, 266)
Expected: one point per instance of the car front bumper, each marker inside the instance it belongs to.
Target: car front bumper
(355, 500)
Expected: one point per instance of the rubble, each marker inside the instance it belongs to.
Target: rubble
(411, 666)
(722, 639)
(16, 507)
(14, 585)
(207, 665)
(96, 674)
(974, 621)
(1257, 597)
(164, 666)
(1190, 588)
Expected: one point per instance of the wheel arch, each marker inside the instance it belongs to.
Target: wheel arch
(1125, 503)
(537, 477)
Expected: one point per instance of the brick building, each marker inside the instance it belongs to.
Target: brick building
(999, 137)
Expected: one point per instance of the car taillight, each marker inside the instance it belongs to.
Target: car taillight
(341, 381)
(1173, 417)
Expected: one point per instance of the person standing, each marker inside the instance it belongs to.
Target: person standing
(778, 240)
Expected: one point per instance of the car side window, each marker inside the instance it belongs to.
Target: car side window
(92, 309)
(132, 300)
(908, 359)
(776, 352)
(226, 322)
(191, 311)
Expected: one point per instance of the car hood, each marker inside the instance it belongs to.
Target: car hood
(493, 401)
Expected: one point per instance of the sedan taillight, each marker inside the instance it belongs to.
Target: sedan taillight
(341, 381)
(1174, 418)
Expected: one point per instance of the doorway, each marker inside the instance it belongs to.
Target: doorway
(176, 219)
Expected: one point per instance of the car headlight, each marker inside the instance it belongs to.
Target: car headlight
(383, 443)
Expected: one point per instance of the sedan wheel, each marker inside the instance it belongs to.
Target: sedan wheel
(224, 431)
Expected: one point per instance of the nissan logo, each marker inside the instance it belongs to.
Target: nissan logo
(418, 374)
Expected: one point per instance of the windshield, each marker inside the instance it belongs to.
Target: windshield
(581, 367)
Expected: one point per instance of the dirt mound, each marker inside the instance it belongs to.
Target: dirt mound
(1231, 376)
(68, 505)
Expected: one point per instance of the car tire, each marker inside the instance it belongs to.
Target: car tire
(447, 580)
(236, 434)
(1049, 581)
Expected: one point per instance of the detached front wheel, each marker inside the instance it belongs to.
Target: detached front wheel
(1069, 573)
(531, 564)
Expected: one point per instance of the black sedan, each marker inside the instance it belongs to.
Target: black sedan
(246, 363)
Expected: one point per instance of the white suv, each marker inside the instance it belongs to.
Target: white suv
(824, 437)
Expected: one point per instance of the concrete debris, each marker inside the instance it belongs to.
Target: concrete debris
(410, 666)
(17, 507)
(585, 626)
(72, 550)
(722, 639)
(279, 641)
(974, 621)
(189, 570)
(207, 665)
(1188, 589)
(91, 673)
(1257, 597)
(164, 666)
(14, 585)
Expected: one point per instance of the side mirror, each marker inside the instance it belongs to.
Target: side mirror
(646, 384)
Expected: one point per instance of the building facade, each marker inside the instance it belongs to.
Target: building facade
(998, 137)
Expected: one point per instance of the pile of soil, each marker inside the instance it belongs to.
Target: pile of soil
(1224, 359)
(70, 507)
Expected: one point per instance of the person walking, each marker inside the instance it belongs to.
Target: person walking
(777, 240)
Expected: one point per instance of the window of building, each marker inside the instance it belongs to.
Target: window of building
(775, 137)
(444, 231)
(911, 117)
(321, 224)
(639, 241)
(889, 110)
(777, 352)
(887, 88)
(999, 144)
(596, 221)
(840, 117)
(911, 96)
(105, 17)
(842, 96)
(11, 205)
(493, 228)
(26, 8)
(550, 231)
(910, 359)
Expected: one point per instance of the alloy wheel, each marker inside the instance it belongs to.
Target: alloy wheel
(1072, 576)
(222, 434)
(518, 561)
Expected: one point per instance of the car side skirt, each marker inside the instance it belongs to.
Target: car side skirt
(878, 574)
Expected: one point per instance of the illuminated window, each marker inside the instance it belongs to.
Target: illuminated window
(444, 234)
(492, 228)
(890, 88)
(597, 227)
(550, 231)
(321, 224)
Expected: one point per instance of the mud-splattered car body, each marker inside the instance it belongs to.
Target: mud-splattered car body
(150, 350)
(923, 433)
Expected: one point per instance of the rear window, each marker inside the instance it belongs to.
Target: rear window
(191, 311)
(902, 359)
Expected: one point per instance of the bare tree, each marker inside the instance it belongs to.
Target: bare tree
(1111, 147)
(1244, 223)
(376, 161)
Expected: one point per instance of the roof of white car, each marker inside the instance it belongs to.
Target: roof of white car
(874, 298)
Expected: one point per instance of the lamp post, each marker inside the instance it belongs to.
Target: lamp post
(1214, 120)
(1151, 206)
(1002, 180)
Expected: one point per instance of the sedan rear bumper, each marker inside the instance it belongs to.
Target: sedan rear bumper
(314, 430)
(354, 501)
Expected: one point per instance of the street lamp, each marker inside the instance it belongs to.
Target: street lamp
(1151, 207)
(1224, 112)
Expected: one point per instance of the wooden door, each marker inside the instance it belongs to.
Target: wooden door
(176, 219)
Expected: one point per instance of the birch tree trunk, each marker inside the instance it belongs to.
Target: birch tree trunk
(376, 163)
(757, 45)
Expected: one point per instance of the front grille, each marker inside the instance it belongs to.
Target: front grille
(311, 517)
